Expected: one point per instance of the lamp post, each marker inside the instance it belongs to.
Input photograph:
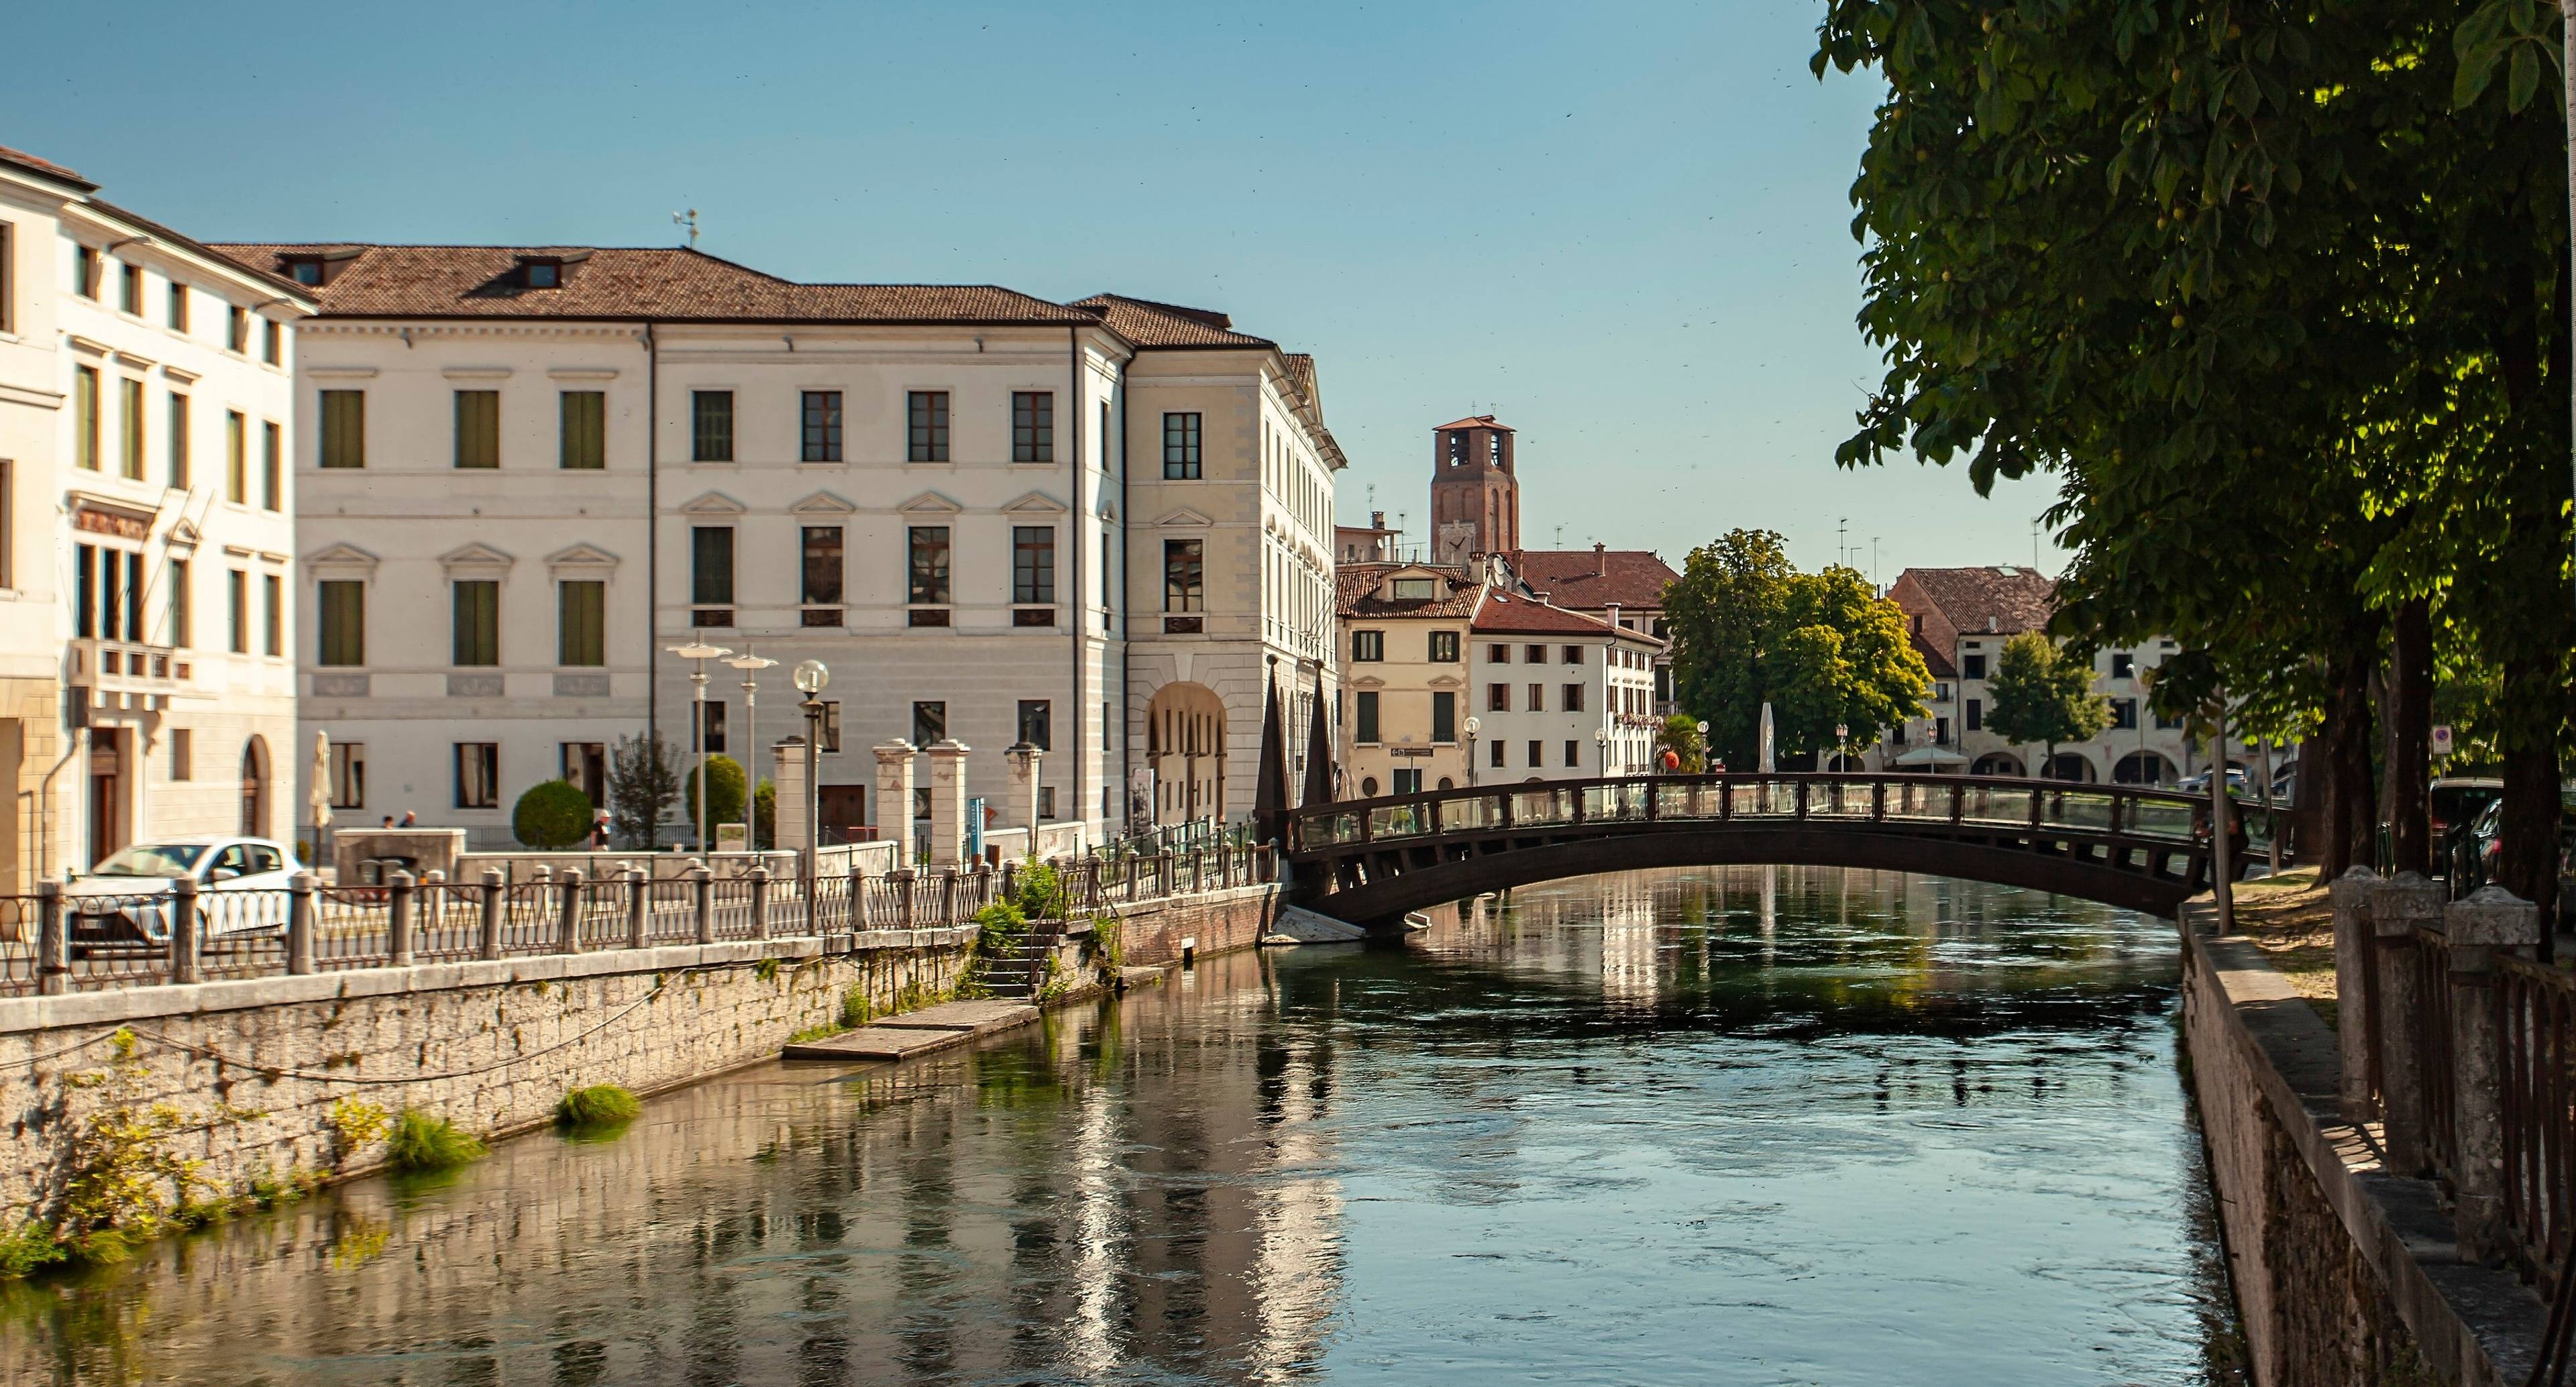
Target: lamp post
(751, 663)
(1842, 745)
(1703, 747)
(811, 676)
(1601, 739)
(700, 652)
(1473, 727)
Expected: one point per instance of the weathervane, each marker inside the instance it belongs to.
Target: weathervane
(688, 219)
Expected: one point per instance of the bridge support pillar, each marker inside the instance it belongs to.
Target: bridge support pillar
(2357, 1031)
(2489, 925)
(2398, 906)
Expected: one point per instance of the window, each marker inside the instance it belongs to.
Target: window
(1032, 426)
(1444, 647)
(1573, 654)
(821, 426)
(1498, 654)
(581, 623)
(1185, 575)
(711, 566)
(1537, 755)
(182, 619)
(344, 428)
(1180, 447)
(710, 426)
(1365, 715)
(1414, 589)
(1046, 802)
(178, 440)
(1941, 731)
(1976, 715)
(1498, 698)
(926, 413)
(272, 341)
(344, 622)
(929, 723)
(348, 775)
(130, 423)
(474, 630)
(1444, 716)
(129, 292)
(272, 593)
(820, 581)
(2123, 665)
(1972, 666)
(1573, 755)
(182, 754)
(85, 271)
(237, 328)
(85, 417)
(541, 274)
(1407, 782)
(478, 428)
(304, 269)
(237, 603)
(8, 278)
(236, 457)
(2166, 722)
(1573, 701)
(1494, 753)
(832, 725)
(585, 430)
(1037, 723)
(2124, 713)
(927, 566)
(711, 726)
(1368, 645)
(1033, 564)
(272, 467)
(1537, 698)
(478, 775)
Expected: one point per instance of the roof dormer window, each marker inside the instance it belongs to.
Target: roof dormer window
(541, 272)
(305, 269)
(1414, 589)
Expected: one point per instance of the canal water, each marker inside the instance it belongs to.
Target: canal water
(1740, 1125)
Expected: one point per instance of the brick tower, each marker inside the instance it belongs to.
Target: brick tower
(1475, 499)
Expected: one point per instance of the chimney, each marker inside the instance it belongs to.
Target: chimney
(1990, 630)
(1377, 520)
(1614, 615)
(1600, 559)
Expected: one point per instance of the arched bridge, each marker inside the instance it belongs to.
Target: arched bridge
(1370, 861)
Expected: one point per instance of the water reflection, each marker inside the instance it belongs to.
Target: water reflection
(1738, 1125)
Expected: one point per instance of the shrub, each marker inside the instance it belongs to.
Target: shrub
(764, 815)
(724, 796)
(598, 1105)
(552, 815)
(1041, 893)
(423, 1142)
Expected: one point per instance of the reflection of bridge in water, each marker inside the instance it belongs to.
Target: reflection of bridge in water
(1370, 861)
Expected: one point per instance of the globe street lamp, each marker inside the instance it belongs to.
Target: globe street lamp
(811, 676)
(700, 652)
(1705, 761)
(1473, 727)
(751, 663)
(1842, 745)
(1601, 739)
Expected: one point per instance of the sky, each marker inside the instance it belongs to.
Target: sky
(1622, 228)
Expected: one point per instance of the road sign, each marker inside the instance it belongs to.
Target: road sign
(2441, 740)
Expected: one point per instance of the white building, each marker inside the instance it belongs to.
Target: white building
(146, 527)
(1560, 694)
(532, 470)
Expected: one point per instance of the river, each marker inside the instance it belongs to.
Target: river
(1731, 1125)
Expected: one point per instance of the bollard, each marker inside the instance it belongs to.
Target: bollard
(2397, 906)
(53, 941)
(639, 929)
(702, 881)
(858, 902)
(2357, 1020)
(2490, 925)
(568, 920)
(496, 894)
(184, 938)
(760, 900)
(1011, 880)
(398, 889)
(299, 922)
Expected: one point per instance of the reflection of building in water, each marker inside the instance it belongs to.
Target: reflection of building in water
(1631, 951)
(1296, 1273)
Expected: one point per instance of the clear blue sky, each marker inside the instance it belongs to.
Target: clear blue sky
(1624, 228)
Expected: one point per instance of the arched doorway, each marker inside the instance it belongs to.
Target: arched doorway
(254, 789)
(2142, 768)
(2071, 766)
(1996, 763)
(1185, 744)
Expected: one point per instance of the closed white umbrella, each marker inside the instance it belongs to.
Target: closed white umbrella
(321, 797)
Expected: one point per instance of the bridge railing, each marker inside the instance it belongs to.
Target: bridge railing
(2129, 811)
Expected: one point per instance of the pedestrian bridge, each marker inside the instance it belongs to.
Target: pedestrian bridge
(1370, 861)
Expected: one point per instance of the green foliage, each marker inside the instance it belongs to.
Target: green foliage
(2520, 36)
(766, 970)
(1041, 893)
(1822, 649)
(764, 815)
(724, 795)
(32, 1248)
(643, 784)
(856, 1009)
(1680, 735)
(2041, 693)
(423, 1142)
(356, 1123)
(128, 1181)
(597, 1105)
(552, 815)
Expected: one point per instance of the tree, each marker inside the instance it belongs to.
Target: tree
(642, 786)
(2040, 693)
(764, 815)
(1821, 648)
(724, 796)
(551, 816)
(1680, 735)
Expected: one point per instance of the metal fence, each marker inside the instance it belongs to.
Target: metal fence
(2538, 1075)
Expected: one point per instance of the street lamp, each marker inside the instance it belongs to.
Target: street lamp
(1601, 739)
(811, 676)
(1842, 745)
(1473, 727)
(700, 652)
(751, 663)
(1704, 758)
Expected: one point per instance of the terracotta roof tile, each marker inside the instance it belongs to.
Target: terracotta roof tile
(1933, 660)
(47, 167)
(1150, 324)
(1474, 421)
(2017, 598)
(1502, 613)
(1355, 592)
(1632, 578)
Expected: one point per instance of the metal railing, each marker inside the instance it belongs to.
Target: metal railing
(2538, 1076)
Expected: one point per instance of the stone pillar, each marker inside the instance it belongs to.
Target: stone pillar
(2489, 925)
(2352, 951)
(894, 798)
(1022, 812)
(2397, 906)
(787, 772)
(947, 802)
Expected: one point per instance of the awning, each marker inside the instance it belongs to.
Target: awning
(1931, 756)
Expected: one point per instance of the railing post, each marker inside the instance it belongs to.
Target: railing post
(1802, 799)
(568, 918)
(299, 922)
(858, 901)
(908, 896)
(639, 893)
(948, 895)
(1878, 801)
(2356, 1014)
(183, 930)
(53, 941)
(702, 883)
(760, 900)
(398, 890)
(2491, 924)
(2397, 906)
(496, 905)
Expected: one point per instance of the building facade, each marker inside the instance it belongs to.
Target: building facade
(1475, 494)
(1404, 635)
(1560, 695)
(147, 631)
(1624, 587)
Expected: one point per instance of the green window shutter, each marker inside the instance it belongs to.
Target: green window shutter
(344, 623)
(585, 430)
(478, 428)
(581, 622)
(131, 453)
(344, 428)
(478, 623)
(85, 417)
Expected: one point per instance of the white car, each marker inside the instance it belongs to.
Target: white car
(124, 900)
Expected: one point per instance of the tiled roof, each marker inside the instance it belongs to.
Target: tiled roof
(1474, 421)
(1355, 592)
(1301, 369)
(630, 282)
(1933, 660)
(1632, 578)
(2017, 598)
(1150, 324)
(1504, 614)
(47, 167)
(303, 293)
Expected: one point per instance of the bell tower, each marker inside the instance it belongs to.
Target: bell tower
(1475, 498)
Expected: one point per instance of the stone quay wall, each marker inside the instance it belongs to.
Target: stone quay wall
(273, 1079)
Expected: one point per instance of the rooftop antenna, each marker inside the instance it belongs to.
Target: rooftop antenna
(1560, 537)
(688, 219)
(1873, 561)
(2034, 546)
(1842, 551)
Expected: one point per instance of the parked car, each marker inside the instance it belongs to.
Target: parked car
(124, 901)
(2482, 847)
(2239, 784)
